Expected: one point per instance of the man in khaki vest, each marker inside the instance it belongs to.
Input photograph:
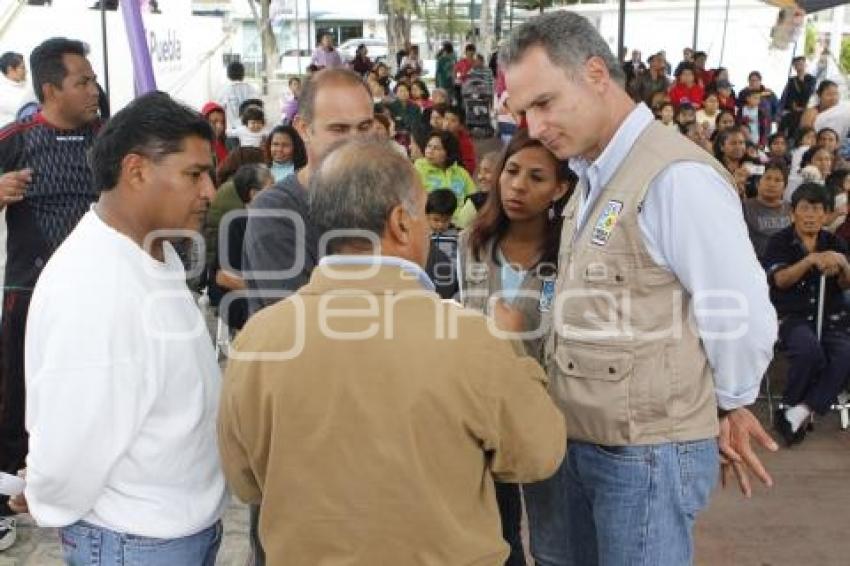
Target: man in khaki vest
(661, 319)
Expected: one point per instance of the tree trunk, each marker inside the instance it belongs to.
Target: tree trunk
(270, 50)
(398, 27)
(500, 16)
(267, 40)
(486, 28)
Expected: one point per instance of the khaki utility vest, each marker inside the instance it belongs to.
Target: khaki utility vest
(624, 359)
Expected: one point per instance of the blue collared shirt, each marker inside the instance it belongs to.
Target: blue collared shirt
(408, 267)
(693, 225)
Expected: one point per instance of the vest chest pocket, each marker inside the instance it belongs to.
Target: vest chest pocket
(593, 362)
(606, 274)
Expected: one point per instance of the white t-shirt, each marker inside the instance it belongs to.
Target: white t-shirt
(13, 96)
(122, 392)
(837, 118)
(232, 98)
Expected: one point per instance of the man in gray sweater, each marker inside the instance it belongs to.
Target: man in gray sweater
(281, 245)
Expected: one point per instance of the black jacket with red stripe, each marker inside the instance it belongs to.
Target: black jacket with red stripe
(61, 192)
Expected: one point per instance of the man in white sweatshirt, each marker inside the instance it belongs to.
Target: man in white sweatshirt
(122, 381)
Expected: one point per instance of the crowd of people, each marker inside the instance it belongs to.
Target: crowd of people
(362, 417)
(786, 155)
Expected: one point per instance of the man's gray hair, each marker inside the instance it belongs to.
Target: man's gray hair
(355, 188)
(569, 40)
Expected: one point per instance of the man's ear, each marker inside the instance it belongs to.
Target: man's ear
(48, 90)
(398, 227)
(302, 128)
(134, 170)
(596, 73)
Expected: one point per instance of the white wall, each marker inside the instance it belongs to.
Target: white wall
(652, 26)
(181, 73)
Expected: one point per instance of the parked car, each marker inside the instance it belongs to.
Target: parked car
(377, 48)
(289, 62)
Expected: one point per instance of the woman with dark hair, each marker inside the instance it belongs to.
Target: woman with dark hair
(284, 151)
(419, 95)
(828, 138)
(406, 114)
(815, 165)
(836, 185)
(821, 158)
(441, 168)
(446, 62)
(725, 120)
(361, 64)
(828, 96)
(730, 148)
(839, 184)
(510, 252)
(226, 197)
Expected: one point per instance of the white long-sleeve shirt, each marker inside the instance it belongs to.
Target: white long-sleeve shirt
(693, 225)
(13, 96)
(122, 392)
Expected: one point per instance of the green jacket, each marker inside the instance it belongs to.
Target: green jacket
(454, 177)
(407, 116)
(226, 199)
(445, 74)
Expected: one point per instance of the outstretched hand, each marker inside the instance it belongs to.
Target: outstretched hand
(737, 455)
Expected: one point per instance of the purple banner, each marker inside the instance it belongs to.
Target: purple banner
(142, 67)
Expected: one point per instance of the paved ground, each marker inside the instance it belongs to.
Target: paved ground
(801, 521)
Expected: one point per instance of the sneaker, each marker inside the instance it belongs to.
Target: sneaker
(783, 427)
(8, 532)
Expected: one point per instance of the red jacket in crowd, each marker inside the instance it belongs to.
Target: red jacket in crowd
(727, 103)
(467, 150)
(679, 94)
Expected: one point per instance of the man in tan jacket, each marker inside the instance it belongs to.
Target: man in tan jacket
(367, 417)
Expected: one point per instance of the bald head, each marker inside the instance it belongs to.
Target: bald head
(357, 187)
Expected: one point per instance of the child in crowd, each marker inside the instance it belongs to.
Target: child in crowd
(252, 133)
(725, 96)
(285, 152)
(777, 146)
(708, 113)
(753, 116)
(440, 207)
(767, 213)
(686, 114)
(667, 115)
(453, 122)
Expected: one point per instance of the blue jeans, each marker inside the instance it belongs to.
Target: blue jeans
(621, 506)
(84, 544)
